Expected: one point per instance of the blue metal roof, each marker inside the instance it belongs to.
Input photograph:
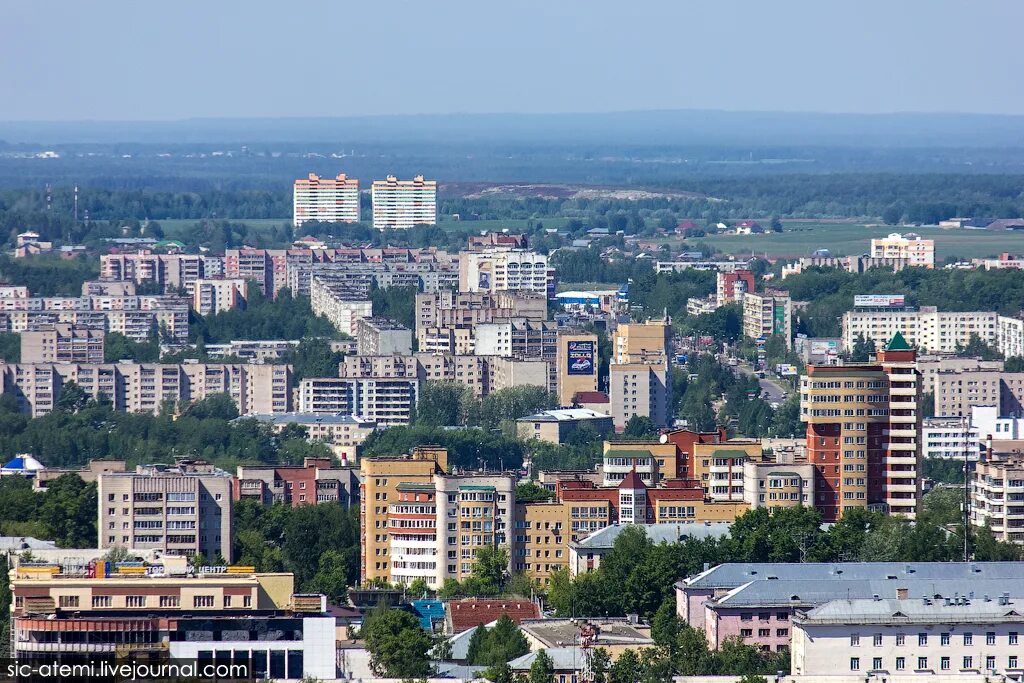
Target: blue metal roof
(429, 612)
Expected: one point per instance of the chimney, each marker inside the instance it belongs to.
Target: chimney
(902, 593)
(945, 602)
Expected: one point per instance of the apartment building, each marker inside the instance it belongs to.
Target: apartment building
(447, 319)
(957, 392)
(917, 251)
(344, 434)
(778, 483)
(766, 314)
(719, 467)
(75, 609)
(517, 338)
(419, 522)
(14, 292)
(997, 497)
(217, 296)
(383, 389)
(499, 270)
(863, 433)
(182, 509)
(950, 438)
(542, 536)
(576, 360)
(170, 273)
(930, 367)
(928, 328)
(327, 200)
(645, 342)
(491, 240)
(382, 336)
(653, 461)
(255, 350)
(62, 343)
(426, 270)
(731, 286)
(586, 554)
(851, 264)
(343, 303)
(402, 204)
(639, 389)
(109, 288)
(136, 317)
(88, 473)
(316, 480)
(923, 637)
(150, 387)
(1010, 336)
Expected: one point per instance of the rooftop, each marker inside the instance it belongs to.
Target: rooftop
(562, 632)
(734, 574)
(911, 611)
(565, 415)
(658, 533)
(465, 614)
(308, 418)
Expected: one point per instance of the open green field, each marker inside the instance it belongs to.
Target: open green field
(173, 228)
(844, 239)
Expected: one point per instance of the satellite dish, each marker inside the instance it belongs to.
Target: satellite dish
(663, 438)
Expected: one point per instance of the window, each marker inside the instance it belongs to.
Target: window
(990, 638)
(746, 616)
(102, 601)
(764, 632)
(922, 638)
(944, 639)
(746, 632)
(968, 663)
(135, 601)
(878, 640)
(901, 663)
(990, 662)
(170, 601)
(1013, 637)
(227, 601)
(202, 601)
(944, 663)
(782, 632)
(782, 616)
(854, 663)
(69, 601)
(922, 663)
(968, 638)
(247, 601)
(876, 664)
(855, 640)
(900, 638)
(1012, 664)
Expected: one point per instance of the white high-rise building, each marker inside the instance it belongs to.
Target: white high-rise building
(329, 200)
(401, 204)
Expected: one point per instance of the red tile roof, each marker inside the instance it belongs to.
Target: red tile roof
(632, 481)
(465, 614)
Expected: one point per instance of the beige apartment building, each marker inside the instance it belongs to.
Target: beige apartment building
(169, 272)
(402, 204)
(150, 387)
(62, 343)
(383, 389)
(766, 314)
(499, 269)
(328, 200)
(382, 337)
(136, 317)
(917, 251)
(181, 510)
(997, 497)
(217, 296)
(931, 366)
(957, 392)
(446, 320)
(642, 342)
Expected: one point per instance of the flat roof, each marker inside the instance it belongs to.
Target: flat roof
(663, 532)
(308, 418)
(910, 611)
(564, 415)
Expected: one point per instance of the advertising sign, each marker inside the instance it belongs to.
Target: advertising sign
(580, 355)
(879, 300)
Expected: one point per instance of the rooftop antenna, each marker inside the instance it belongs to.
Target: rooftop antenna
(76, 203)
(49, 197)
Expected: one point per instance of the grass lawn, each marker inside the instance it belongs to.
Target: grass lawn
(844, 239)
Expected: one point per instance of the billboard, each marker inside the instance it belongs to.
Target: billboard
(786, 370)
(580, 356)
(879, 300)
(824, 347)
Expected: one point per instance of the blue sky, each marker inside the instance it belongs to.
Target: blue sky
(138, 60)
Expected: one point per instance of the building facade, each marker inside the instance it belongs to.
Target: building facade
(767, 314)
(217, 296)
(328, 200)
(181, 510)
(62, 343)
(401, 204)
(917, 251)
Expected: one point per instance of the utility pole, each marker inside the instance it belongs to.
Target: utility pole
(966, 423)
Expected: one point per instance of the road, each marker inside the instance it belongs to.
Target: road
(776, 391)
